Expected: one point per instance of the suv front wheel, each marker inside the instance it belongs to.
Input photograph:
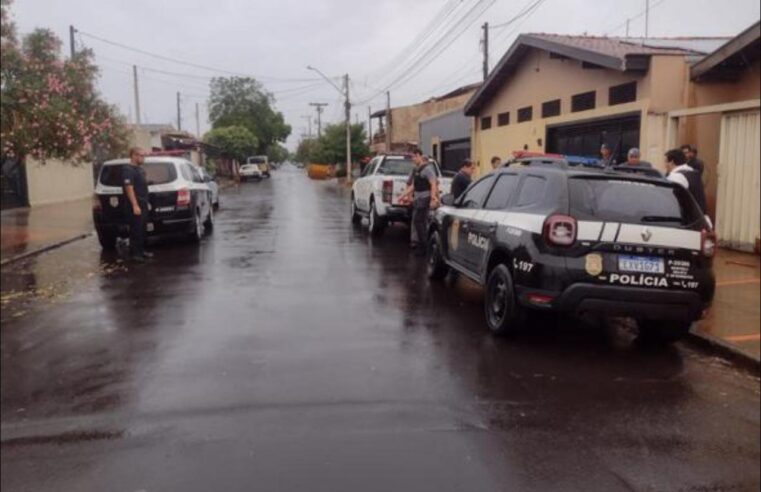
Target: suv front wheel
(437, 268)
(503, 313)
(663, 331)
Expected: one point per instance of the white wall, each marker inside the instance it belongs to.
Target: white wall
(57, 181)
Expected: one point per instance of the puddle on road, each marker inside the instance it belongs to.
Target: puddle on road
(52, 278)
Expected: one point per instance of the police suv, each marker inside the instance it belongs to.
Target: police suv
(543, 235)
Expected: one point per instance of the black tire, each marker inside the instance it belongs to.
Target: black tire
(376, 224)
(437, 269)
(660, 331)
(196, 233)
(107, 241)
(208, 224)
(504, 316)
(356, 219)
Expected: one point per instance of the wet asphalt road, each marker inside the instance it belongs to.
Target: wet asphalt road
(291, 352)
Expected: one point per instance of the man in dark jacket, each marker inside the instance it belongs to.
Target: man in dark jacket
(691, 155)
(462, 179)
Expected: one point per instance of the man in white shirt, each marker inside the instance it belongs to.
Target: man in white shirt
(681, 172)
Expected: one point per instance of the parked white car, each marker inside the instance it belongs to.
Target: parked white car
(250, 171)
(376, 193)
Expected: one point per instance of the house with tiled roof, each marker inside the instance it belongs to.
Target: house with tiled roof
(569, 95)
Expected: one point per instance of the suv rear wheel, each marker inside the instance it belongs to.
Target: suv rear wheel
(356, 219)
(376, 222)
(197, 232)
(663, 331)
(208, 225)
(503, 313)
(437, 268)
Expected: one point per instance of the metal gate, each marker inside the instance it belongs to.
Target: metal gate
(738, 211)
(453, 153)
(13, 184)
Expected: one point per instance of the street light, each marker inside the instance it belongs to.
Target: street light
(347, 105)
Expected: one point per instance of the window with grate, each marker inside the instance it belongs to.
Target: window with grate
(503, 119)
(624, 93)
(485, 122)
(525, 114)
(551, 108)
(584, 101)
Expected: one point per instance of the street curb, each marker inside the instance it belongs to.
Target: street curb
(725, 349)
(44, 249)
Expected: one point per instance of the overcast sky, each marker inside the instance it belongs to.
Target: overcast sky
(372, 41)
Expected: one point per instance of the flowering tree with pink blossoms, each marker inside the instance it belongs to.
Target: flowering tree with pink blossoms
(50, 106)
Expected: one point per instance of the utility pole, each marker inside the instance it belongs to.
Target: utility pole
(647, 18)
(486, 49)
(319, 107)
(627, 27)
(348, 130)
(308, 117)
(388, 121)
(179, 113)
(198, 123)
(71, 41)
(137, 94)
(369, 126)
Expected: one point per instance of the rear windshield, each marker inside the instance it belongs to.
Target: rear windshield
(396, 167)
(630, 202)
(257, 160)
(155, 173)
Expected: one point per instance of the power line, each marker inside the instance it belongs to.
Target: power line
(189, 64)
(433, 52)
(518, 16)
(642, 13)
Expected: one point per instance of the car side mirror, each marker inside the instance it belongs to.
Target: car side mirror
(448, 200)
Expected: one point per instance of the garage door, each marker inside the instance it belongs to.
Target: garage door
(738, 210)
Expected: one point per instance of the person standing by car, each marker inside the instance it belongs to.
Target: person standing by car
(423, 192)
(496, 162)
(691, 157)
(684, 174)
(607, 158)
(136, 192)
(462, 179)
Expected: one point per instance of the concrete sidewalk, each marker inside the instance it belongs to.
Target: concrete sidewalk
(734, 317)
(25, 230)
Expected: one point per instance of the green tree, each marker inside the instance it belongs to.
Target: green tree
(235, 142)
(50, 107)
(277, 153)
(242, 101)
(333, 144)
(309, 151)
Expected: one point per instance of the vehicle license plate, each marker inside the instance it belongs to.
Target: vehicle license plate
(149, 227)
(641, 264)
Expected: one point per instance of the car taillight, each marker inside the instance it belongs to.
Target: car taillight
(560, 230)
(96, 205)
(708, 243)
(388, 191)
(183, 197)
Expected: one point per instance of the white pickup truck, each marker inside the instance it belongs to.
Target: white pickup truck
(376, 193)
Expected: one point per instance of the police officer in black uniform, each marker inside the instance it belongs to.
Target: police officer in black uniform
(136, 192)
